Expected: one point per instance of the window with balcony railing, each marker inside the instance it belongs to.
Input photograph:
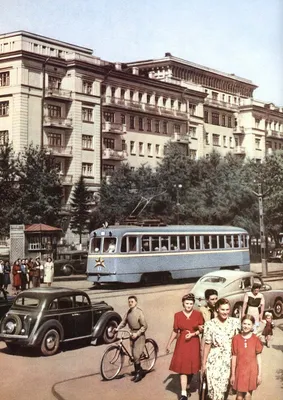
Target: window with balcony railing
(4, 138)
(177, 128)
(54, 111)
(87, 87)
(87, 169)
(87, 114)
(108, 116)
(4, 108)
(87, 142)
(54, 139)
(109, 143)
(5, 78)
(215, 119)
(108, 169)
(54, 82)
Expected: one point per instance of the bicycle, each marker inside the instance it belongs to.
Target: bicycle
(114, 356)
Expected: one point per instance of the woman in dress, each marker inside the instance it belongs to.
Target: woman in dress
(186, 356)
(254, 304)
(7, 271)
(48, 271)
(17, 272)
(216, 362)
(246, 360)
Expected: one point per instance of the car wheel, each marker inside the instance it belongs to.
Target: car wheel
(11, 325)
(278, 308)
(67, 270)
(50, 342)
(109, 336)
(237, 310)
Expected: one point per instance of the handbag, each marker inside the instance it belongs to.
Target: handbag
(203, 391)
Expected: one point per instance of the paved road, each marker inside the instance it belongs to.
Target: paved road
(73, 374)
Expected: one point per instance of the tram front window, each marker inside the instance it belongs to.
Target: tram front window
(109, 245)
(95, 245)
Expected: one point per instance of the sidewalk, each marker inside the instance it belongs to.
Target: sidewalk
(161, 384)
(275, 270)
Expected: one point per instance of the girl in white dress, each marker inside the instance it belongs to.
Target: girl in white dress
(48, 271)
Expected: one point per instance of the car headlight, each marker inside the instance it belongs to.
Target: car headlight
(10, 327)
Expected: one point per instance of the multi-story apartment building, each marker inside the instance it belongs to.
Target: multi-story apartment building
(93, 114)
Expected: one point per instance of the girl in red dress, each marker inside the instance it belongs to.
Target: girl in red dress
(246, 360)
(268, 329)
(186, 356)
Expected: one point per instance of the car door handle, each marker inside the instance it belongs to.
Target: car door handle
(75, 315)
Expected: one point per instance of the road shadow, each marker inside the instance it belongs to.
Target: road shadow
(173, 384)
(279, 376)
(277, 347)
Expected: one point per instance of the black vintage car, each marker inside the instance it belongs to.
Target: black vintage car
(70, 262)
(46, 317)
(6, 302)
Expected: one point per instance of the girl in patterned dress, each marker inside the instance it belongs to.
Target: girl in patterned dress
(218, 334)
(246, 360)
(268, 329)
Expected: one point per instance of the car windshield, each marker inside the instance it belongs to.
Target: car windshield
(213, 279)
(24, 301)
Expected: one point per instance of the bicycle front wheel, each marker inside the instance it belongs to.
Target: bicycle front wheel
(149, 355)
(111, 363)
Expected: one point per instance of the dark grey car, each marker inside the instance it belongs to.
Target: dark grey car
(70, 262)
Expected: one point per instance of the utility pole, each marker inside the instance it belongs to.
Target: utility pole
(178, 187)
(263, 249)
(42, 103)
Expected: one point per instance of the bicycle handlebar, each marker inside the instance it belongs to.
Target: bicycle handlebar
(123, 331)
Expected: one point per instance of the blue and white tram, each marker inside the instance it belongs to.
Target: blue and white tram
(140, 254)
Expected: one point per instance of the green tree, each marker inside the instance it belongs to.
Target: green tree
(80, 209)
(39, 188)
(8, 186)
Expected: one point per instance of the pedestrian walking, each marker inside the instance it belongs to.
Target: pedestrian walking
(17, 272)
(29, 264)
(208, 311)
(48, 271)
(254, 304)
(216, 362)
(186, 357)
(35, 272)
(246, 360)
(7, 272)
(268, 329)
(136, 321)
(24, 274)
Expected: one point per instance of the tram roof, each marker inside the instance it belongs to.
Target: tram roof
(168, 229)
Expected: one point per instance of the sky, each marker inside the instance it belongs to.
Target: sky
(244, 37)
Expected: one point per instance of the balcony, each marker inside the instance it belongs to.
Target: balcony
(273, 133)
(108, 100)
(57, 122)
(181, 138)
(239, 150)
(61, 151)
(239, 130)
(115, 155)
(220, 104)
(59, 94)
(66, 180)
(114, 128)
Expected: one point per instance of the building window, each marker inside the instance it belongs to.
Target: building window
(207, 138)
(4, 138)
(192, 108)
(108, 117)
(123, 94)
(206, 116)
(4, 108)
(140, 97)
(193, 131)
(165, 127)
(132, 147)
(54, 82)
(124, 145)
(179, 106)
(123, 119)
(231, 142)
(235, 100)
(223, 120)
(54, 139)
(149, 149)
(148, 98)
(214, 96)
(215, 140)
(172, 103)
(177, 128)
(157, 150)
(164, 101)
(113, 91)
(141, 149)
(109, 143)
(223, 97)
(229, 99)
(87, 142)
(193, 154)
(215, 119)
(229, 122)
(87, 87)
(225, 141)
(87, 114)
(87, 169)
(5, 78)
(148, 121)
(131, 94)
(140, 124)
(108, 169)
(257, 122)
(132, 122)
(54, 111)
(257, 144)
(157, 126)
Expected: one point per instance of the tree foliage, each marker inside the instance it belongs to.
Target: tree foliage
(80, 208)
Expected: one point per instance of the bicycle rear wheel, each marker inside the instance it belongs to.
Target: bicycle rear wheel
(111, 363)
(149, 355)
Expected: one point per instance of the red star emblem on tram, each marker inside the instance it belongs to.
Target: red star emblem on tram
(99, 262)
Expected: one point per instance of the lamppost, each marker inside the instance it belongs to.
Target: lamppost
(178, 186)
(42, 102)
(263, 251)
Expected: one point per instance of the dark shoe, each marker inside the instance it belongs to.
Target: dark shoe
(183, 398)
(134, 373)
(140, 375)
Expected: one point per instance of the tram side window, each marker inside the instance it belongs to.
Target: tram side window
(228, 242)
(155, 243)
(182, 241)
(174, 243)
(195, 242)
(129, 244)
(221, 242)
(243, 242)
(95, 245)
(214, 242)
(145, 243)
(236, 241)
(206, 242)
(164, 243)
(109, 245)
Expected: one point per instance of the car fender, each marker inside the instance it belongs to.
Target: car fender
(102, 322)
(52, 323)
